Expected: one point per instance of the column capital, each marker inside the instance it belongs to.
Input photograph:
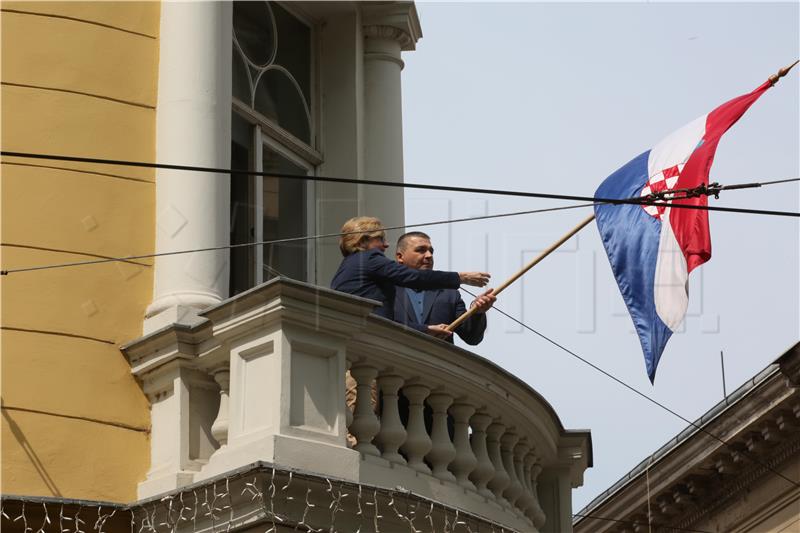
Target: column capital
(391, 33)
(397, 21)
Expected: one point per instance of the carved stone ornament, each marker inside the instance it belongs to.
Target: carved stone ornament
(389, 32)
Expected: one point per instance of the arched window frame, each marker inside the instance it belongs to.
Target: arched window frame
(267, 133)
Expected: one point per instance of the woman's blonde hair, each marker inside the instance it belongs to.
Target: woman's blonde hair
(357, 231)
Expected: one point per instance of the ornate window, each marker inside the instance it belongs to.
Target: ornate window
(272, 129)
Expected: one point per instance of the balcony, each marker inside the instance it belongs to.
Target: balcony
(260, 379)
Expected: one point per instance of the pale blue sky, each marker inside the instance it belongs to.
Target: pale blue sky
(553, 98)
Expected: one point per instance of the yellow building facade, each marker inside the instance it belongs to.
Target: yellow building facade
(78, 78)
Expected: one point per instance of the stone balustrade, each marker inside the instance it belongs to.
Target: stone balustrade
(489, 435)
(261, 377)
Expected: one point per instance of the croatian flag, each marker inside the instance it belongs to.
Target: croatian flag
(653, 249)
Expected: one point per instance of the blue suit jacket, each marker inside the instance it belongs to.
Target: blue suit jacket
(372, 275)
(440, 306)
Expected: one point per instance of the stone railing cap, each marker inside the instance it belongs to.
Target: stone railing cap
(189, 331)
(290, 287)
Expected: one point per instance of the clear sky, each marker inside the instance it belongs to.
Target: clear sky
(554, 97)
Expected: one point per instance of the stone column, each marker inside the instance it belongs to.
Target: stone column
(192, 128)
(388, 29)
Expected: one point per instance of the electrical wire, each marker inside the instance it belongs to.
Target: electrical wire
(400, 184)
(775, 182)
(130, 258)
(636, 391)
(639, 201)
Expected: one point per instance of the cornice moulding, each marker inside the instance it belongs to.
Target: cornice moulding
(380, 18)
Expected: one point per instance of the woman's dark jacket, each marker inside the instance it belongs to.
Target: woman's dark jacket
(371, 274)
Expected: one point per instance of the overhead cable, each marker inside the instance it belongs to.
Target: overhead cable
(130, 258)
(399, 184)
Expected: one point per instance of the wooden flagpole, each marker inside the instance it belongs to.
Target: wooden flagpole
(471, 311)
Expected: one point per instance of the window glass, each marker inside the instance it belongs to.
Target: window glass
(274, 48)
(242, 208)
(254, 30)
(284, 217)
(241, 81)
(277, 98)
(294, 48)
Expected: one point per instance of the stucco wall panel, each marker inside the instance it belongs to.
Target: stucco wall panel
(104, 301)
(79, 78)
(49, 52)
(54, 122)
(82, 374)
(56, 456)
(87, 213)
(139, 17)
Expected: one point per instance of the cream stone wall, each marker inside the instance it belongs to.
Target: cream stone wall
(78, 78)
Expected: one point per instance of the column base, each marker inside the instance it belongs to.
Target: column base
(175, 309)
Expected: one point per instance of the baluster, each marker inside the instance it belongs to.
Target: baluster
(465, 461)
(500, 479)
(514, 489)
(523, 500)
(417, 443)
(219, 429)
(536, 513)
(524, 472)
(484, 470)
(348, 412)
(442, 450)
(392, 433)
(365, 424)
(530, 460)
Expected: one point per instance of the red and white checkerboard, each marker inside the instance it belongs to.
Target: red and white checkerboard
(662, 181)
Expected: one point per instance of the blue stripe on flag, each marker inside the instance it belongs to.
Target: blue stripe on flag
(631, 238)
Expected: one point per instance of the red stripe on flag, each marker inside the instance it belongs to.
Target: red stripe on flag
(691, 226)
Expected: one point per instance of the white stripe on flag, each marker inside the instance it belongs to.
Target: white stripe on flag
(671, 286)
(676, 148)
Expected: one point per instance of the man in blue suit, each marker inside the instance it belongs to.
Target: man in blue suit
(432, 310)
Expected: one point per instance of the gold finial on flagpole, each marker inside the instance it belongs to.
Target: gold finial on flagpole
(782, 72)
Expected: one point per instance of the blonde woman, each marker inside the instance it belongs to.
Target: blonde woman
(365, 270)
